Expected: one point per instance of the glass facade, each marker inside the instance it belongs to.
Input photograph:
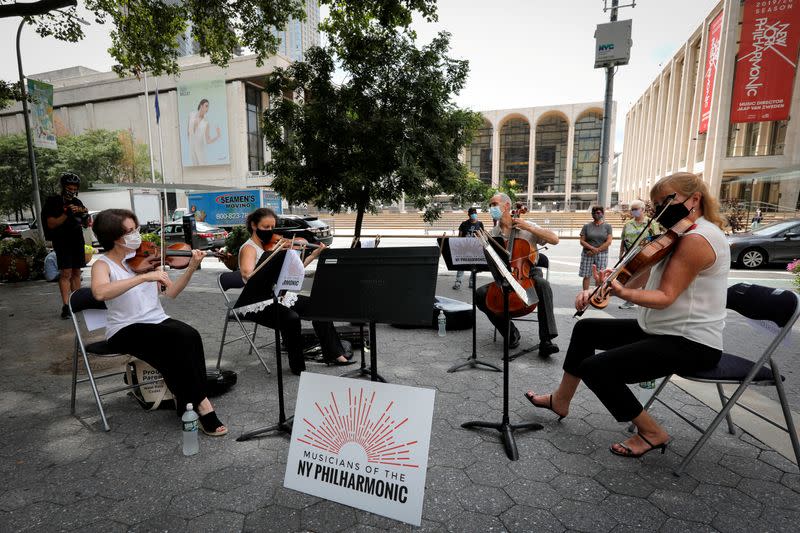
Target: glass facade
(479, 153)
(586, 150)
(552, 136)
(757, 138)
(255, 144)
(515, 136)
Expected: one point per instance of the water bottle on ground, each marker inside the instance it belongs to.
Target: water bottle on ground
(190, 442)
(442, 324)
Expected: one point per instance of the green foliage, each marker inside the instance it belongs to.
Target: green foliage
(389, 128)
(237, 236)
(32, 252)
(510, 187)
(151, 237)
(794, 268)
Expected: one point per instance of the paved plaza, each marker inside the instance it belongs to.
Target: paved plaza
(63, 472)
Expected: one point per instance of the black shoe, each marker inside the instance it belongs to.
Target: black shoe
(336, 362)
(546, 348)
(65, 314)
(514, 342)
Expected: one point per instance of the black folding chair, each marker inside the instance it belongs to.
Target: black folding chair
(82, 302)
(756, 302)
(228, 281)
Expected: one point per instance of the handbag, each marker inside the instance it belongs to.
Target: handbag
(152, 392)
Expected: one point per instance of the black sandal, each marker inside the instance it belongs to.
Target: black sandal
(210, 420)
(629, 453)
(549, 405)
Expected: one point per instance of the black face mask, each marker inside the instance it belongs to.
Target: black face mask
(673, 214)
(68, 195)
(265, 235)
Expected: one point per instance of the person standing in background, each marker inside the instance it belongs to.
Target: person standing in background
(468, 228)
(595, 239)
(631, 231)
(64, 219)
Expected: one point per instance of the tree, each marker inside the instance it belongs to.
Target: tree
(390, 128)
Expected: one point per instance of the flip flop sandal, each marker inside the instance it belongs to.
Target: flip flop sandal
(549, 405)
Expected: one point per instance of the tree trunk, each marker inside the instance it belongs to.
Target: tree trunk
(362, 206)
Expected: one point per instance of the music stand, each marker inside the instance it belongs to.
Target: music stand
(375, 286)
(506, 429)
(472, 361)
(261, 283)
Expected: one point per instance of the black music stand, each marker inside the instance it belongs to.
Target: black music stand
(478, 266)
(505, 428)
(261, 283)
(375, 285)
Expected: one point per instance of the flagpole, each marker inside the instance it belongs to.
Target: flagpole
(149, 130)
(164, 205)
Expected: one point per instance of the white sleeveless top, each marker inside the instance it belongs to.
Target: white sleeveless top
(699, 312)
(139, 305)
(250, 242)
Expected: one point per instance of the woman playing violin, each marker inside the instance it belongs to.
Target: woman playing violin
(500, 209)
(136, 322)
(679, 327)
(260, 224)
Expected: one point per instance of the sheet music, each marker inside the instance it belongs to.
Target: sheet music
(367, 243)
(466, 251)
(523, 295)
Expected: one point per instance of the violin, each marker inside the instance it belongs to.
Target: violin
(637, 263)
(176, 256)
(297, 243)
(521, 264)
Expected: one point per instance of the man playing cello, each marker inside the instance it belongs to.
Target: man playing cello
(500, 210)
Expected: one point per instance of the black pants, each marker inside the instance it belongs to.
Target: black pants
(173, 348)
(544, 309)
(630, 356)
(289, 321)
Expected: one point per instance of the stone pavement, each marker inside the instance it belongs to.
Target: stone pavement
(63, 472)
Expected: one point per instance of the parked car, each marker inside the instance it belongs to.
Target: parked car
(309, 228)
(776, 243)
(13, 229)
(206, 236)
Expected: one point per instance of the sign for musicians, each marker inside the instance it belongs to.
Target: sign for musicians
(466, 251)
(362, 444)
(712, 57)
(767, 61)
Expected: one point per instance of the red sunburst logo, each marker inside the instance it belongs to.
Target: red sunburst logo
(359, 426)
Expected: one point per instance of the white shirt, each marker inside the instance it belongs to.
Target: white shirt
(252, 244)
(139, 305)
(699, 312)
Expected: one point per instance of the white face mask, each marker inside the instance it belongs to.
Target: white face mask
(132, 240)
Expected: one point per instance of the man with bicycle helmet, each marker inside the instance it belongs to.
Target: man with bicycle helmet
(64, 219)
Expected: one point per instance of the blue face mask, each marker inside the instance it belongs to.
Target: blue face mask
(636, 213)
(473, 216)
(495, 212)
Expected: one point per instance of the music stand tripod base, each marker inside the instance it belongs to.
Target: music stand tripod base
(282, 427)
(364, 370)
(534, 348)
(506, 430)
(473, 361)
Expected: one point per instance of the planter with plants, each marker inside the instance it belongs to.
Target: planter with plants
(236, 238)
(794, 268)
(88, 252)
(21, 259)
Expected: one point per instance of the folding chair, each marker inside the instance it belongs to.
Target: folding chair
(81, 302)
(541, 262)
(233, 280)
(756, 302)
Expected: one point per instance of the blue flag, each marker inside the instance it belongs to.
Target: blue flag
(158, 110)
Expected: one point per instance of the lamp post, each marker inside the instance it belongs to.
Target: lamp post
(37, 202)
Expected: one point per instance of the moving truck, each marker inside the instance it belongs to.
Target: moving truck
(230, 208)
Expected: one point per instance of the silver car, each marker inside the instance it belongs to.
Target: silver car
(776, 243)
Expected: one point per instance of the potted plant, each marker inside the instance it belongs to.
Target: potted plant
(21, 259)
(235, 239)
(88, 252)
(794, 267)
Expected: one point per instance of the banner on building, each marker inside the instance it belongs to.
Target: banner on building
(767, 61)
(203, 121)
(712, 56)
(43, 128)
(362, 444)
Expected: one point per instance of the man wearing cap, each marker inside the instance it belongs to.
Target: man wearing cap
(64, 219)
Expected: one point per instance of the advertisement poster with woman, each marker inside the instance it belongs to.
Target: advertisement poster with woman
(202, 111)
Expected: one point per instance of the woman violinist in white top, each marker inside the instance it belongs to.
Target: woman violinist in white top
(679, 327)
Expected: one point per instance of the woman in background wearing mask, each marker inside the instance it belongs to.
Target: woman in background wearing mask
(679, 327)
(631, 231)
(595, 240)
(261, 223)
(136, 322)
(468, 228)
(500, 210)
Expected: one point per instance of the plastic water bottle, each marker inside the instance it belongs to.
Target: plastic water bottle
(442, 323)
(190, 442)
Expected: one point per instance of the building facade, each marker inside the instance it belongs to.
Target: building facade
(754, 162)
(300, 35)
(551, 152)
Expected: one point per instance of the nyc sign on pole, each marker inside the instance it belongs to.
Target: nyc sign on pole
(612, 44)
(362, 444)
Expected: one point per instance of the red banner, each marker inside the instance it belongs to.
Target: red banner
(767, 61)
(712, 56)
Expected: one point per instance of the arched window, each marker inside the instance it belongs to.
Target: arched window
(479, 153)
(515, 138)
(586, 158)
(552, 133)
